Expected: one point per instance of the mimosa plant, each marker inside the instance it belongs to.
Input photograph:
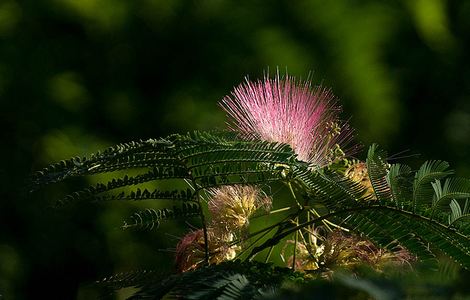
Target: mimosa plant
(342, 213)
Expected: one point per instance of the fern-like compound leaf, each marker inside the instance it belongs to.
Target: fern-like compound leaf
(128, 279)
(150, 218)
(331, 190)
(157, 173)
(429, 172)
(458, 212)
(147, 153)
(145, 194)
(400, 183)
(377, 168)
(228, 280)
(452, 189)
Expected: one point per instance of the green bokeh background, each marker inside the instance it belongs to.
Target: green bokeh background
(79, 75)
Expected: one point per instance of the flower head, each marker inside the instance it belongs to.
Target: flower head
(190, 251)
(291, 112)
(347, 251)
(232, 206)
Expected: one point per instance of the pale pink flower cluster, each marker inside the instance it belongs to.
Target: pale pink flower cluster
(190, 251)
(291, 112)
(230, 208)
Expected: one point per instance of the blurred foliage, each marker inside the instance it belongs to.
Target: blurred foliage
(79, 75)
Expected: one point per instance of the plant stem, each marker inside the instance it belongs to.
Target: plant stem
(269, 254)
(204, 227)
(296, 237)
(272, 212)
(327, 222)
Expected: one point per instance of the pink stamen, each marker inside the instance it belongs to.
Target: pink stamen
(291, 112)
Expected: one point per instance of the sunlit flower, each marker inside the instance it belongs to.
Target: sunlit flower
(232, 206)
(291, 112)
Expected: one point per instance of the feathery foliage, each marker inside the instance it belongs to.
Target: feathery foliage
(408, 211)
(377, 169)
(151, 218)
(427, 173)
(228, 280)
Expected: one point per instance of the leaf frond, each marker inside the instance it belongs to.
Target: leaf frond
(430, 171)
(128, 279)
(330, 189)
(157, 173)
(145, 194)
(453, 188)
(425, 241)
(126, 155)
(377, 168)
(227, 280)
(399, 179)
(150, 218)
(457, 212)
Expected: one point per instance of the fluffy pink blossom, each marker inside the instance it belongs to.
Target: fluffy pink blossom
(287, 111)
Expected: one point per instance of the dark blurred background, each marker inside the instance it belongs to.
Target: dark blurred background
(79, 75)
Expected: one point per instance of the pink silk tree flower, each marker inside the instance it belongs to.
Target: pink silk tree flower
(232, 206)
(293, 112)
(190, 249)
